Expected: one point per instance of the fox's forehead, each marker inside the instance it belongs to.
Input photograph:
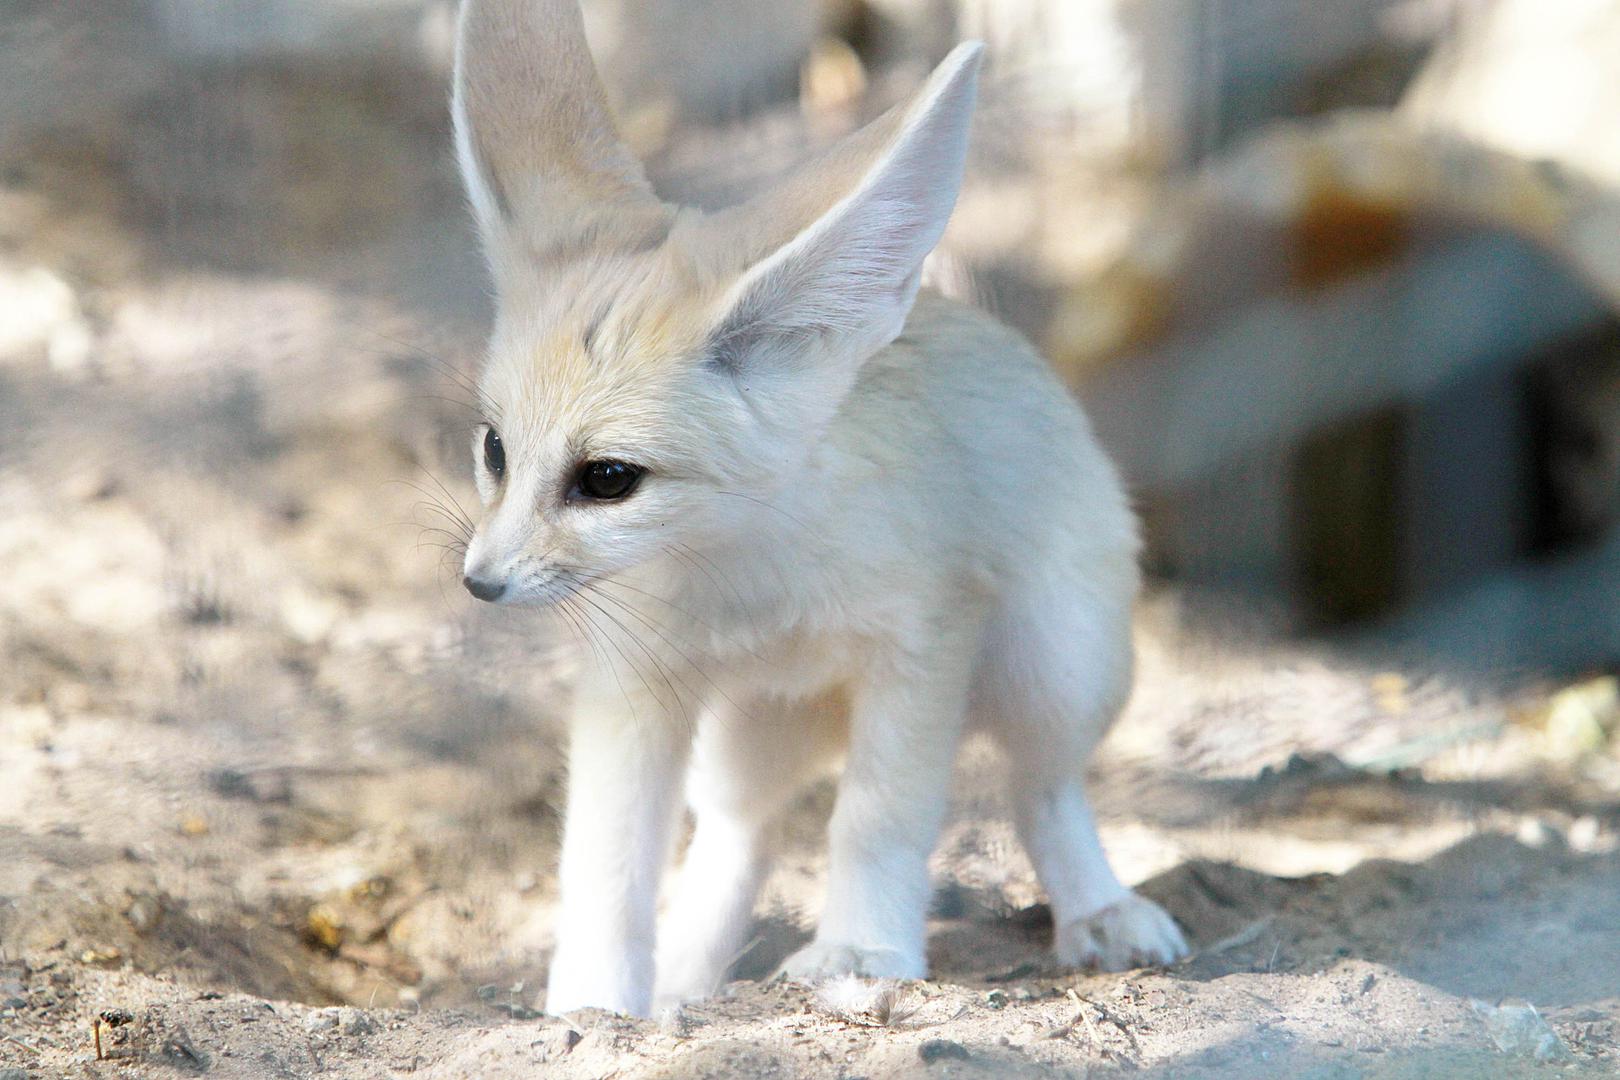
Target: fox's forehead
(603, 345)
(636, 309)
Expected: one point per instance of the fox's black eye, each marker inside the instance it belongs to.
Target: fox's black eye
(607, 480)
(494, 453)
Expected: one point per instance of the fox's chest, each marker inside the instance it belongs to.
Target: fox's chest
(785, 629)
(798, 664)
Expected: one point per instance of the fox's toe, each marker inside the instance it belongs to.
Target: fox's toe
(1131, 933)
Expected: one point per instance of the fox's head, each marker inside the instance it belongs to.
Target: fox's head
(657, 375)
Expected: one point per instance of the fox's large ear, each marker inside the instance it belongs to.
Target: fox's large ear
(545, 170)
(835, 254)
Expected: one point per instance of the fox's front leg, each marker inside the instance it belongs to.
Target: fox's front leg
(892, 798)
(625, 761)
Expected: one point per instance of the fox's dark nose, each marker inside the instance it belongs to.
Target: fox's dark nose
(484, 590)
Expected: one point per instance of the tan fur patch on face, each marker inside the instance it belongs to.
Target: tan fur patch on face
(601, 359)
(644, 312)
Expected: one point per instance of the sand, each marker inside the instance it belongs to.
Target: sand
(278, 799)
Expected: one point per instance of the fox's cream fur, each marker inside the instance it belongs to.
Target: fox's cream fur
(862, 522)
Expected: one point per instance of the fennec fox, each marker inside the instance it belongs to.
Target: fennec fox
(797, 512)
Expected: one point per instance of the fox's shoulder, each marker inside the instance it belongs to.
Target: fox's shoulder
(958, 365)
(941, 325)
(966, 405)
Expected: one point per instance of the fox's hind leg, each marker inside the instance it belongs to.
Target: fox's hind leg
(1056, 670)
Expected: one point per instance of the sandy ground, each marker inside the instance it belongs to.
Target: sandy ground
(277, 799)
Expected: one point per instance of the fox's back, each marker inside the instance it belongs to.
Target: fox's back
(964, 443)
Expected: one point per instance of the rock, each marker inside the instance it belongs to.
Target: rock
(324, 1020)
(356, 1022)
(1518, 1030)
(942, 1050)
(557, 1042)
(179, 1051)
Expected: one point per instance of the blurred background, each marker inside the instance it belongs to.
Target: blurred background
(1337, 280)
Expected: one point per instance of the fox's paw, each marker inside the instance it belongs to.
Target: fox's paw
(1131, 933)
(582, 980)
(828, 959)
(682, 988)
